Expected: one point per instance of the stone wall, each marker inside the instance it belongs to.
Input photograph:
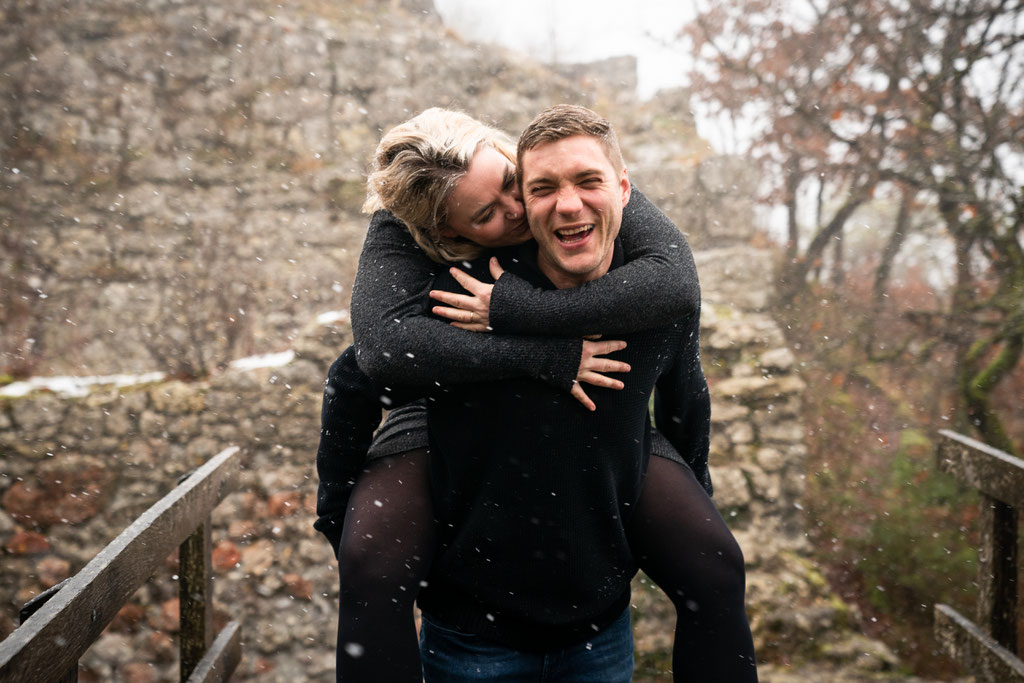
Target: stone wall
(757, 456)
(77, 471)
(619, 72)
(180, 182)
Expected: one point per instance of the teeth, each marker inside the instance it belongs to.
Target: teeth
(568, 232)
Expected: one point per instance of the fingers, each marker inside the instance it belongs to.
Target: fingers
(601, 348)
(456, 314)
(453, 299)
(581, 396)
(599, 380)
(592, 364)
(472, 327)
(471, 311)
(468, 282)
(496, 269)
(605, 365)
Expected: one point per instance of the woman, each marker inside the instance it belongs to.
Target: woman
(448, 183)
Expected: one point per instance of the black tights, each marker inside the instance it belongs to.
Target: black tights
(386, 548)
(676, 534)
(682, 543)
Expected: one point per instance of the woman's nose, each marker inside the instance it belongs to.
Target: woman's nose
(514, 208)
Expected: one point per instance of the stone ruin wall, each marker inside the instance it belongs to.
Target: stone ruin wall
(186, 177)
(77, 471)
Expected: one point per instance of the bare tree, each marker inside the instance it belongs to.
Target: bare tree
(915, 98)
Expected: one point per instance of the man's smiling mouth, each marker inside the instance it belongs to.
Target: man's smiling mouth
(571, 235)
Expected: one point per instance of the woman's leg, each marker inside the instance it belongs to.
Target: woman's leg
(385, 553)
(684, 546)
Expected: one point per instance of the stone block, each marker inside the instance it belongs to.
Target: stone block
(723, 411)
(770, 459)
(777, 360)
(740, 433)
(754, 389)
(120, 422)
(793, 486)
(152, 424)
(258, 557)
(789, 431)
(202, 447)
(26, 543)
(766, 487)
(182, 428)
(720, 445)
(731, 488)
(175, 398)
(39, 415)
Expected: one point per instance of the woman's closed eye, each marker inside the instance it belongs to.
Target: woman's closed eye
(509, 181)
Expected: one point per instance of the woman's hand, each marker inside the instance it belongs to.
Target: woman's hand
(468, 312)
(592, 367)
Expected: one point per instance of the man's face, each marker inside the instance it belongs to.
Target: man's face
(574, 199)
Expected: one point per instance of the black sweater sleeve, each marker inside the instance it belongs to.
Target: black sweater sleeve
(399, 342)
(350, 413)
(682, 406)
(656, 285)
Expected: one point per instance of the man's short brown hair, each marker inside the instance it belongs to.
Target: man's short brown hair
(565, 121)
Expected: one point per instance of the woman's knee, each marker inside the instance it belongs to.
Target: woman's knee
(360, 563)
(718, 571)
(733, 566)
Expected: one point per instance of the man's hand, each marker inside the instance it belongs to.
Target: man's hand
(591, 367)
(468, 312)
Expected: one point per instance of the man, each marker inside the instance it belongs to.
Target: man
(531, 580)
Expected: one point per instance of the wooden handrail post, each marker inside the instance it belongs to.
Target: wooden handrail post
(48, 644)
(195, 598)
(32, 606)
(998, 600)
(993, 649)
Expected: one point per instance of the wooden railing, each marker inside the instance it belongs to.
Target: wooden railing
(990, 649)
(58, 626)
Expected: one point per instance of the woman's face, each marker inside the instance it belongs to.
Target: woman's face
(486, 206)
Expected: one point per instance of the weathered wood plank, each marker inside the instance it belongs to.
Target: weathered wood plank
(222, 658)
(978, 465)
(195, 598)
(986, 659)
(54, 638)
(997, 573)
(33, 606)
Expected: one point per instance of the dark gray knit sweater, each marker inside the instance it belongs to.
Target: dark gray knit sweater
(533, 490)
(537, 333)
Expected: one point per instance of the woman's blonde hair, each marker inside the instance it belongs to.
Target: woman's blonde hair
(416, 168)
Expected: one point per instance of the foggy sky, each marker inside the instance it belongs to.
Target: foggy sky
(569, 31)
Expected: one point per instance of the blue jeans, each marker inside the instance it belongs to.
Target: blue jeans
(452, 657)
